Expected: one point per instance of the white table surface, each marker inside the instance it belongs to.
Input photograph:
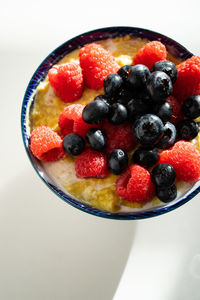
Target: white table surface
(49, 250)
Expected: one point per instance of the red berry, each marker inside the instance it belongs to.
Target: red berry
(96, 63)
(150, 54)
(177, 110)
(70, 120)
(197, 90)
(185, 159)
(135, 184)
(46, 144)
(91, 163)
(119, 136)
(188, 79)
(67, 81)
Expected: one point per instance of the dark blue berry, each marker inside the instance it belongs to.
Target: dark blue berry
(102, 98)
(159, 86)
(163, 175)
(146, 157)
(167, 67)
(164, 111)
(95, 112)
(117, 161)
(113, 84)
(123, 71)
(191, 107)
(96, 138)
(148, 129)
(169, 137)
(137, 77)
(73, 144)
(137, 107)
(118, 114)
(124, 96)
(166, 194)
(187, 130)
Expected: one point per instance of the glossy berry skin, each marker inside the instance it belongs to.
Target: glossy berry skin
(124, 96)
(164, 111)
(163, 175)
(168, 194)
(169, 136)
(102, 98)
(123, 72)
(191, 107)
(117, 161)
(137, 77)
(112, 85)
(167, 67)
(159, 86)
(187, 130)
(118, 114)
(95, 112)
(96, 138)
(146, 157)
(73, 144)
(137, 107)
(148, 129)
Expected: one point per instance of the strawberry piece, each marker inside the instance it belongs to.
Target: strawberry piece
(185, 159)
(96, 63)
(150, 54)
(45, 144)
(135, 185)
(177, 110)
(188, 79)
(91, 163)
(119, 136)
(67, 81)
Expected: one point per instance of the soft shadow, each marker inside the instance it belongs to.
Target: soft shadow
(51, 250)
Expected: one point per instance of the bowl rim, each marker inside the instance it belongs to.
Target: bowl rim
(37, 78)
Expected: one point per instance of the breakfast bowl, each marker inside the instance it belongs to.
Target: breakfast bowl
(174, 48)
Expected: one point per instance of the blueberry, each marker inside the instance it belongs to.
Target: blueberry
(96, 138)
(187, 130)
(137, 107)
(73, 144)
(123, 71)
(169, 137)
(112, 85)
(167, 194)
(117, 161)
(167, 67)
(163, 175)
(124, 96)
(148, 129)
(102, 98)
(159, 86)
(191, 107)
(137, 77)
(95, 112)
(146, 157)
(164, 111)
(118, 114)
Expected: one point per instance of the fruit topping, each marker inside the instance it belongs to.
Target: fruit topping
(118, 114)
(96, 138)
(164, 111)
(117, 161)
(96, 63)
(187, 130)
(67, 81)
(167, 194)
(191, 107)
(73, 144)
(167, 67)
(169, 136)
(176, 105)
(45, 144)
(146, 157)
(95, 112)
(163, 175)
(123, 72)
(137, 107)
(112, 85)
(137, 77)
(91, 163)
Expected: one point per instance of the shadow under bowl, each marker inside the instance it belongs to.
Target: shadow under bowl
(100, 34)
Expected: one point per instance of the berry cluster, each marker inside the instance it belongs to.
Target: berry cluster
(138, 107)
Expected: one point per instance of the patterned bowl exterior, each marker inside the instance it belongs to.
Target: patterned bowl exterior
(39, 75)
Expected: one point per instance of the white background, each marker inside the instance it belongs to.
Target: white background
(49, 250)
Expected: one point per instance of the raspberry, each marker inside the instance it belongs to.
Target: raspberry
(71, 121)
(135, 184)
(177, 110)
(46, 144)
(185, 159)
(188, 79)
(197, 90)
(150, 54)
(91, 163)
(67, 81)
(96, 63)
(119, 136)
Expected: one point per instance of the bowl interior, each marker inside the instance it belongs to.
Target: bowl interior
(100, 34)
